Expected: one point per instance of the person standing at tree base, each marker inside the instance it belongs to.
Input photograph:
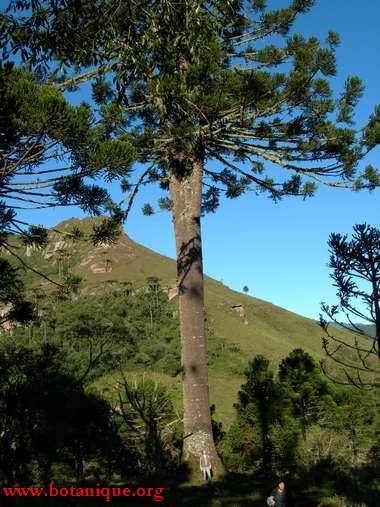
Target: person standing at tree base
(205, 466)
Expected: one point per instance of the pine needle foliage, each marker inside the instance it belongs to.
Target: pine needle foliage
(211, 75)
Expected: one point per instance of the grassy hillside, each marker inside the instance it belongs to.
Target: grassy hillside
(240, 326)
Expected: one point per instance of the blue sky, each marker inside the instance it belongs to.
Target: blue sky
(280, 250)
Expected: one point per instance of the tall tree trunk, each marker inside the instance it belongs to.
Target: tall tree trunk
(377, 317)
(186, 193)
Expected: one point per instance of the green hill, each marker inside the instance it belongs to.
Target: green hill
(240, 326)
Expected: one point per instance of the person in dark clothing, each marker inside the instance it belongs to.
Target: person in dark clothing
(279, 495)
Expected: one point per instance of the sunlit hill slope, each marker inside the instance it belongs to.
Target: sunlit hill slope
(240, 326)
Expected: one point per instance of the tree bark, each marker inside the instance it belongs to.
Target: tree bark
(186, 193)
(377, 317)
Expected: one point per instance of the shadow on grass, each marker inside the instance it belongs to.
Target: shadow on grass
(235, 490)
(359, 485)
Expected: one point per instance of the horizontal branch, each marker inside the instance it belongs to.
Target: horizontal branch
(81, 78)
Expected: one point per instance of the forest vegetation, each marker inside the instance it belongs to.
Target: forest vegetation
(112, 346)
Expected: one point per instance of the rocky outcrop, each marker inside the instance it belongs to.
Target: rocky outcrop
(240, 310)
(171, 291)
(8, 325)
(54, 247)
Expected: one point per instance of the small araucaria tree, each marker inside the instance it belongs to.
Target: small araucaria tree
(213, 107)
(355, 264)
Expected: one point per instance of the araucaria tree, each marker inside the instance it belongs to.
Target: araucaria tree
(355, 264)
(50, 155)
(213, 107)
